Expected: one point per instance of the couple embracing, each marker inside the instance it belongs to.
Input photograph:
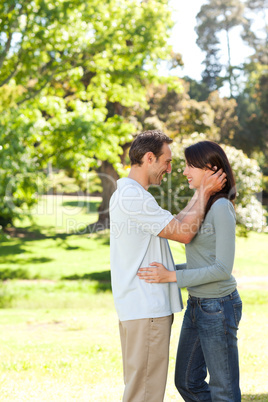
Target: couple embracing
(146, 282)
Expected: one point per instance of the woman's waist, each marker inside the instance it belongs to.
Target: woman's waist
(230, 296)
(213, 289)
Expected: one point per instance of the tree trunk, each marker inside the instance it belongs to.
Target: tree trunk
(230, 70)
(108, 177)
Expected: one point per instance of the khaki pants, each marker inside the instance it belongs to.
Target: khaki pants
(145, 352)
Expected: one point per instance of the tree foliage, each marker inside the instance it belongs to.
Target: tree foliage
(252, 135)
(19, 178)
(176, 113)
(197, 90)
(225, 117)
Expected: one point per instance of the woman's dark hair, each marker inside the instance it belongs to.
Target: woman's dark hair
(208, 154)
(148, 141)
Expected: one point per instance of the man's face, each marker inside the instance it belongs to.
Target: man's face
(160, 166)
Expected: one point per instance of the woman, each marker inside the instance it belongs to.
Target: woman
(208, 340)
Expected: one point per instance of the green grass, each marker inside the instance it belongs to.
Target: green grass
(56, 256)
(49, 249)
(252, 255)
(59, 329)
(72, 351)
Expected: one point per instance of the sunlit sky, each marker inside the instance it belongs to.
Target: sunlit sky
(183, 39)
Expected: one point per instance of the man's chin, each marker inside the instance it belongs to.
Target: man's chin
(157, 183)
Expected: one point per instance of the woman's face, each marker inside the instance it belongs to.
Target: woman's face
(194, 176)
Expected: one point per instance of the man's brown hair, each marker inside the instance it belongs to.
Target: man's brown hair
(147, 141)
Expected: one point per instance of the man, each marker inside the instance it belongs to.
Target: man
(139, 233)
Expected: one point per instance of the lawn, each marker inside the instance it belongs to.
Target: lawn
(58, 327)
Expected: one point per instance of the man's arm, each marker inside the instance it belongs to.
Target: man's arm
(185, 225)
(190, 204)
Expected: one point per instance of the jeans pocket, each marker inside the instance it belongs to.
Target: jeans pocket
(211, 306)
(237, 312)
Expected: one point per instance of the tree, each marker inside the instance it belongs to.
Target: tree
(180, 116)
(225, 118)
(176, 113)
(214, 17)
(211, 74)
(256, 15)
(252, 108)
(197, 90)
(78, 66)
(19, 178)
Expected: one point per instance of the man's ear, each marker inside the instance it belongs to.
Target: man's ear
(149, 157)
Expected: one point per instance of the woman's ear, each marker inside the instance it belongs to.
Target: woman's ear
(214, 168)
(208, 167)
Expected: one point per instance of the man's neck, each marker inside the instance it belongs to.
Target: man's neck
(137, 173)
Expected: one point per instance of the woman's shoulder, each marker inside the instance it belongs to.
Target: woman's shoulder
(223, 204)
(222, 201)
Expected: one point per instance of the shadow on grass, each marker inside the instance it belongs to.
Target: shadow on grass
(7, 274)
(11, 249)
(257, 397)
(103, 239)
(27, 234)
(103, 279)
(31, 233)
(25, 261)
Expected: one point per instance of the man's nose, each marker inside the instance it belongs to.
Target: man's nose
(169, 168)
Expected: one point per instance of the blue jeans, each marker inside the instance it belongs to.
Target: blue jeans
(208, 341)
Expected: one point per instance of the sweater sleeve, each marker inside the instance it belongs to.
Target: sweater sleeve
(224, 225)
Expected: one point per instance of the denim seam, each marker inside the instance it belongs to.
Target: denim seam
(188, 371)
(235, 306)
(231, 395)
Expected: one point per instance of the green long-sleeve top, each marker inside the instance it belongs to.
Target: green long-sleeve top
(210, 255)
